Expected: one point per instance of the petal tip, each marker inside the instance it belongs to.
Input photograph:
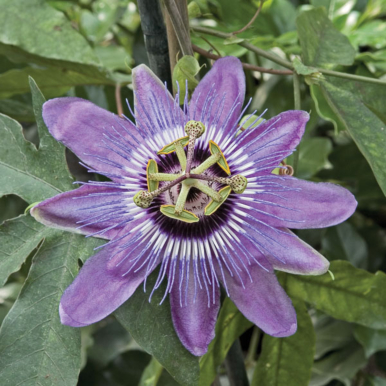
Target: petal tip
(66, 319)
(287, 332)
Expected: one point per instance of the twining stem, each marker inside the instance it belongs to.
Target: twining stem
(251, 21)
(246, 66)
(265, 54)
(296, 81)
(277, 59)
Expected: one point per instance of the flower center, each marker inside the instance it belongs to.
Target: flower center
(189, 179)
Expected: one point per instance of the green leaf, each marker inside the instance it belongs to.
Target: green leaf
(372, 340)
(35, 347)
(360, 108)
(151, 326)
(185, 71)
(324, 110)
(33, 174)
(313, 156)
(152, 373)
(53, 81)
(343, 242)
(50, 40)
(331, 335)
(322, 44)
(302, 69)
(287, 361)
(18, 238)
(341, 365)
(354, 296)
(231, 323)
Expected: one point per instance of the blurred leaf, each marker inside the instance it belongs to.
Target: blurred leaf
(8, 295)
(354, 295)
(18, 237)
(50, 40)
(34, 344)
(150, 324)
(372, 340)
(38, 174)
(108, 342)
(287, 361)
(343, 242)
(231, 323)
(17, 108)
(322, 44)
(126, 369)
(151, 374)
(114, 57)
(341, 365)
(331, 335)
(11, 206)
(371, 34)
(194, 10)
(361, 110)
(313, 156)
(351, 168)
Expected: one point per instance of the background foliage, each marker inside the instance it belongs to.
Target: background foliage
(85, 48)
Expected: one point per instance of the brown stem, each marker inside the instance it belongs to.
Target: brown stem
(181, 30)
(246, 66)
(252, 20)
(118, 99)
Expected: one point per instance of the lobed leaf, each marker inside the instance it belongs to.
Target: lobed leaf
(322, 44)
(231, 323)
(354, 295)
(288, 361)
(151, 326)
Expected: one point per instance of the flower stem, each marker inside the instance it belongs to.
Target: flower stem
(234, 364)
(296, 80)
(285, 63)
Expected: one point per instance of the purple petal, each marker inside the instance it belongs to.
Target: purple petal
(292, 203)
(155, 109)
(263, 302)
(225, 82)
(88, 130)
(103, 284)
(269, 143)
(284, 250)
(70, 210)
(194, 320)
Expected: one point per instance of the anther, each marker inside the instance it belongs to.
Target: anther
(143, 199)
(238, 183)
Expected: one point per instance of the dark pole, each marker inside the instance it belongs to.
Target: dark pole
(156, 42)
